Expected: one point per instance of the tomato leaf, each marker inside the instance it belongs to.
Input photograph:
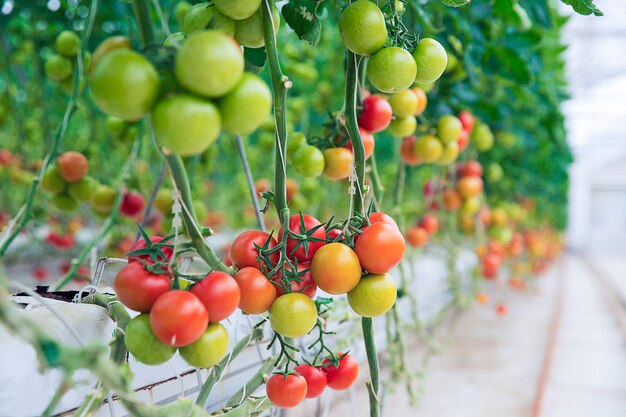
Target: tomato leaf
(301, 16)
(455, 3)
(584, 7)
(255, 59)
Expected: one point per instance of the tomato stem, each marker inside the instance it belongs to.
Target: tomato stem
(372, 360)
(253, 195)
(144, 21)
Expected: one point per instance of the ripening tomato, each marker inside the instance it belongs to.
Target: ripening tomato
(209, 349)
(451, 200)
(407, 151)
(286, 391)
(342, 376)
(430, 224)
(209, 49)
(335, 268)
(417, 236)
(429, 148)
(377, 216)
(362, 27)
(124, 84)
(449, 128)
(305, 286)
(374, 295)
(178, 318)
(143, 344)
(139, 289)
(380, 248)
(301, 224)
(404, 103)
(368, 142)
(293, 315)
(376, 114)
(257, 292)
(449, 154)
(167, 251)
(470, 186)
(463, 140)
(315, 379)
(337, 163)
(219, 293)
(403, 126)
(467, 120)
(243, 252)
(422, 100)
(471, 169)
(73, 166)
(391, 69)
(431, 59)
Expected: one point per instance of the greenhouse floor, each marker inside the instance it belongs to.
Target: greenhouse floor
(560, 351)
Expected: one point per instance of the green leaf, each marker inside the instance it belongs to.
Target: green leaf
(255, 59)
(301, 16)
(455, 3)
(584, 7)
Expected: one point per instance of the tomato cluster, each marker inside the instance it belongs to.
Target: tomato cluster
(60, 67)
(68, 182)
(171, 317)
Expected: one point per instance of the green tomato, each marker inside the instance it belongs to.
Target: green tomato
(449, 128)
(452, 64)
(308, 161)
(64, 202)
(426, 87)
(205, 16)
(186, 125)
(471, 205)
(163, 201)
(494, 172)
(482, 137)
(52, 180)
(143, 344)
(296, 141)
(249, 31)
(206, 50)
(404, 103)
(103, 199)
(58, 68)
(245, 107)
(429, 148)
(431, 59)
(449, 154)
(82, 190)
(362, 27)
(293, 315)
(115, 126)
(402, 127)
(124, 84)
(502, 234)
(506, 139)
(374, 295)
(391, 70)
(67, 43)
(207, 351)
(237, 9)
(180, 11)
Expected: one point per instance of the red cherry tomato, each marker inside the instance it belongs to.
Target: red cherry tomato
(467, 121)
(243, 253)
(407, 151)
(341, 377)
(286, 391)
(306, 285)
(178, 318)
(368, 142)
(333, 234)
(316, 379)
(376, 114)
(132, 205)
(463, 140)
(219, 293)
(430, 224)
(295, 225)
(137, 288)
(141, 244)
(380, 248)
(471, 169)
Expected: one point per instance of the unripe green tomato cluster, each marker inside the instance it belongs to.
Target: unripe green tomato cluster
(59, 67)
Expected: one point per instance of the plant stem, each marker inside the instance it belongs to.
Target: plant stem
(372, 360)
(379, 188)
(153, 194)
(144, 21)
(246, 168)
(280, 85)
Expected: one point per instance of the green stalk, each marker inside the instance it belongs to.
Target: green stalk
(246, 168)
(144, 21)
(379, 188)
(372, 360)
(280, 85)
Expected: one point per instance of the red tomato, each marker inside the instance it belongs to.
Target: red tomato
(243, 253)
(306, 285)
(378, 217)
(333, 234)
(417, 236)
(257, 292)
(376, 114)
(492, 261)
(471, 169)
(463, 140)
(286, 391)
(368, 142)
(430, 224)
(219, 293)
(467, 121)
(178, 318)
(40, 273)
(315, 379)
(132, 205)
(141, 244)
(295, 225)
(343, 376)
(407, 151)
(139, 289)
(380, 247)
